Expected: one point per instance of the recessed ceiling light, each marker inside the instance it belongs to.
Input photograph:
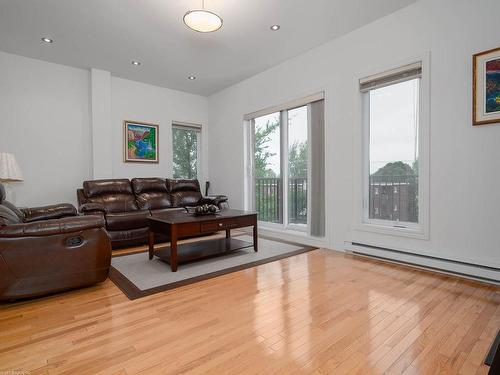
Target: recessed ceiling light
(48, 40)
(192, 78)
(275, 27)
(136, 63)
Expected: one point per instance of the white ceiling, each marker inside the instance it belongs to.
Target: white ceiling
(109, 34)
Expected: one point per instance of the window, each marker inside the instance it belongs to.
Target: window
(280, 187)
(186, 142)
(391, 111)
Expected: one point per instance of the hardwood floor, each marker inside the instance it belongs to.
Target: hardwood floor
(316, 313)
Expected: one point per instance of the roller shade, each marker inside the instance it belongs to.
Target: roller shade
(404, 73)
(317, 209)
(289, 105)
(186, 126)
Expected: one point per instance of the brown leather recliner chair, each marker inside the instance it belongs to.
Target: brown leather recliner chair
(49, 249)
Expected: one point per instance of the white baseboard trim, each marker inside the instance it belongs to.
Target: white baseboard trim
(291, 236)
(447, 266)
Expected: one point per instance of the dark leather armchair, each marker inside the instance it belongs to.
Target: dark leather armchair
(49, 249)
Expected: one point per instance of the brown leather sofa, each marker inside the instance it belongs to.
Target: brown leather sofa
(49, 249)
(126, 204)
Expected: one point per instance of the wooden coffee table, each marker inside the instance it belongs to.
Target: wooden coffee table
(179, 224)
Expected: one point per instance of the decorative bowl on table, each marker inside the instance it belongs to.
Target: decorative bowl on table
(206, 209)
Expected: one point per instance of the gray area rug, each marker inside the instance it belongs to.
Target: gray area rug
(137, 276)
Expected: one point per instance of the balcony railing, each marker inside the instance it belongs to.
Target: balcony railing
(394, 198)
(297, 200)
(390, 198)
(269, 200)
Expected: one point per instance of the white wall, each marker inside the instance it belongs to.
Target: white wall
(100, 126)
(45, 123)
(141, 102)
(464, 160)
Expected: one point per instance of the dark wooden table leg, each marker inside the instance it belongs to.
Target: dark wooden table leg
(228, 233)
(255, 238)
(173, 248)
(151, 241)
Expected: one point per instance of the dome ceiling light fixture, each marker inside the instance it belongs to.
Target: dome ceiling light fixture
(202, 21)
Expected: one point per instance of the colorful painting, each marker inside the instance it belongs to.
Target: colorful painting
(492, 86)
(486, 87)
(141, 142)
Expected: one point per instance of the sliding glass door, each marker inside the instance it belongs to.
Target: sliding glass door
(280, 167)
(268, 184)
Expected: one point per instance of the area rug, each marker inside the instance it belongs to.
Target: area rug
(137, 276)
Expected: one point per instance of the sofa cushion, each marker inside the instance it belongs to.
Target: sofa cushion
(186, 198)
(131, 237)
(151, 193)
(116, 203)
(146, 185)
(182, 185)
(115, 195)
(96, 188)
(127, 220)
(134, 237)
(184, 192)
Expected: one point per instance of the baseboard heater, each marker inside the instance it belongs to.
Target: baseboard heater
(456, 267)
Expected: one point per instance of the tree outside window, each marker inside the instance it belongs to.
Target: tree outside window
(185, 152)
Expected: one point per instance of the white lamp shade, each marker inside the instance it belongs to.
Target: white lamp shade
(9, 169)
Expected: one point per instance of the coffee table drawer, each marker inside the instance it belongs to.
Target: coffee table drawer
(188, 229)
(222, 224)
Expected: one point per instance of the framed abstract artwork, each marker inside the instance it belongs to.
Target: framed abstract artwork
(140, 142)
(486, 87)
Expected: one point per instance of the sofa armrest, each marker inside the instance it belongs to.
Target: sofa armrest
(214, 199)
(56, 211)
(52, 227)
(90, 208)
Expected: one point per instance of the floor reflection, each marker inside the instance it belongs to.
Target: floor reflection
(282, 310)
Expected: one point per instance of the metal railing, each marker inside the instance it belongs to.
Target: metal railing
(297, 200)
(269, 200)
(394, 198)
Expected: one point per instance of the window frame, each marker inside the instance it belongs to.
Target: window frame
(418, 230)
(198, 128)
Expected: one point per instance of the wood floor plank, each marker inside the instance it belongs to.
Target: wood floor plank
(320, 312)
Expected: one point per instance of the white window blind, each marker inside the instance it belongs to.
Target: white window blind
(404, 73)
(288, 105)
